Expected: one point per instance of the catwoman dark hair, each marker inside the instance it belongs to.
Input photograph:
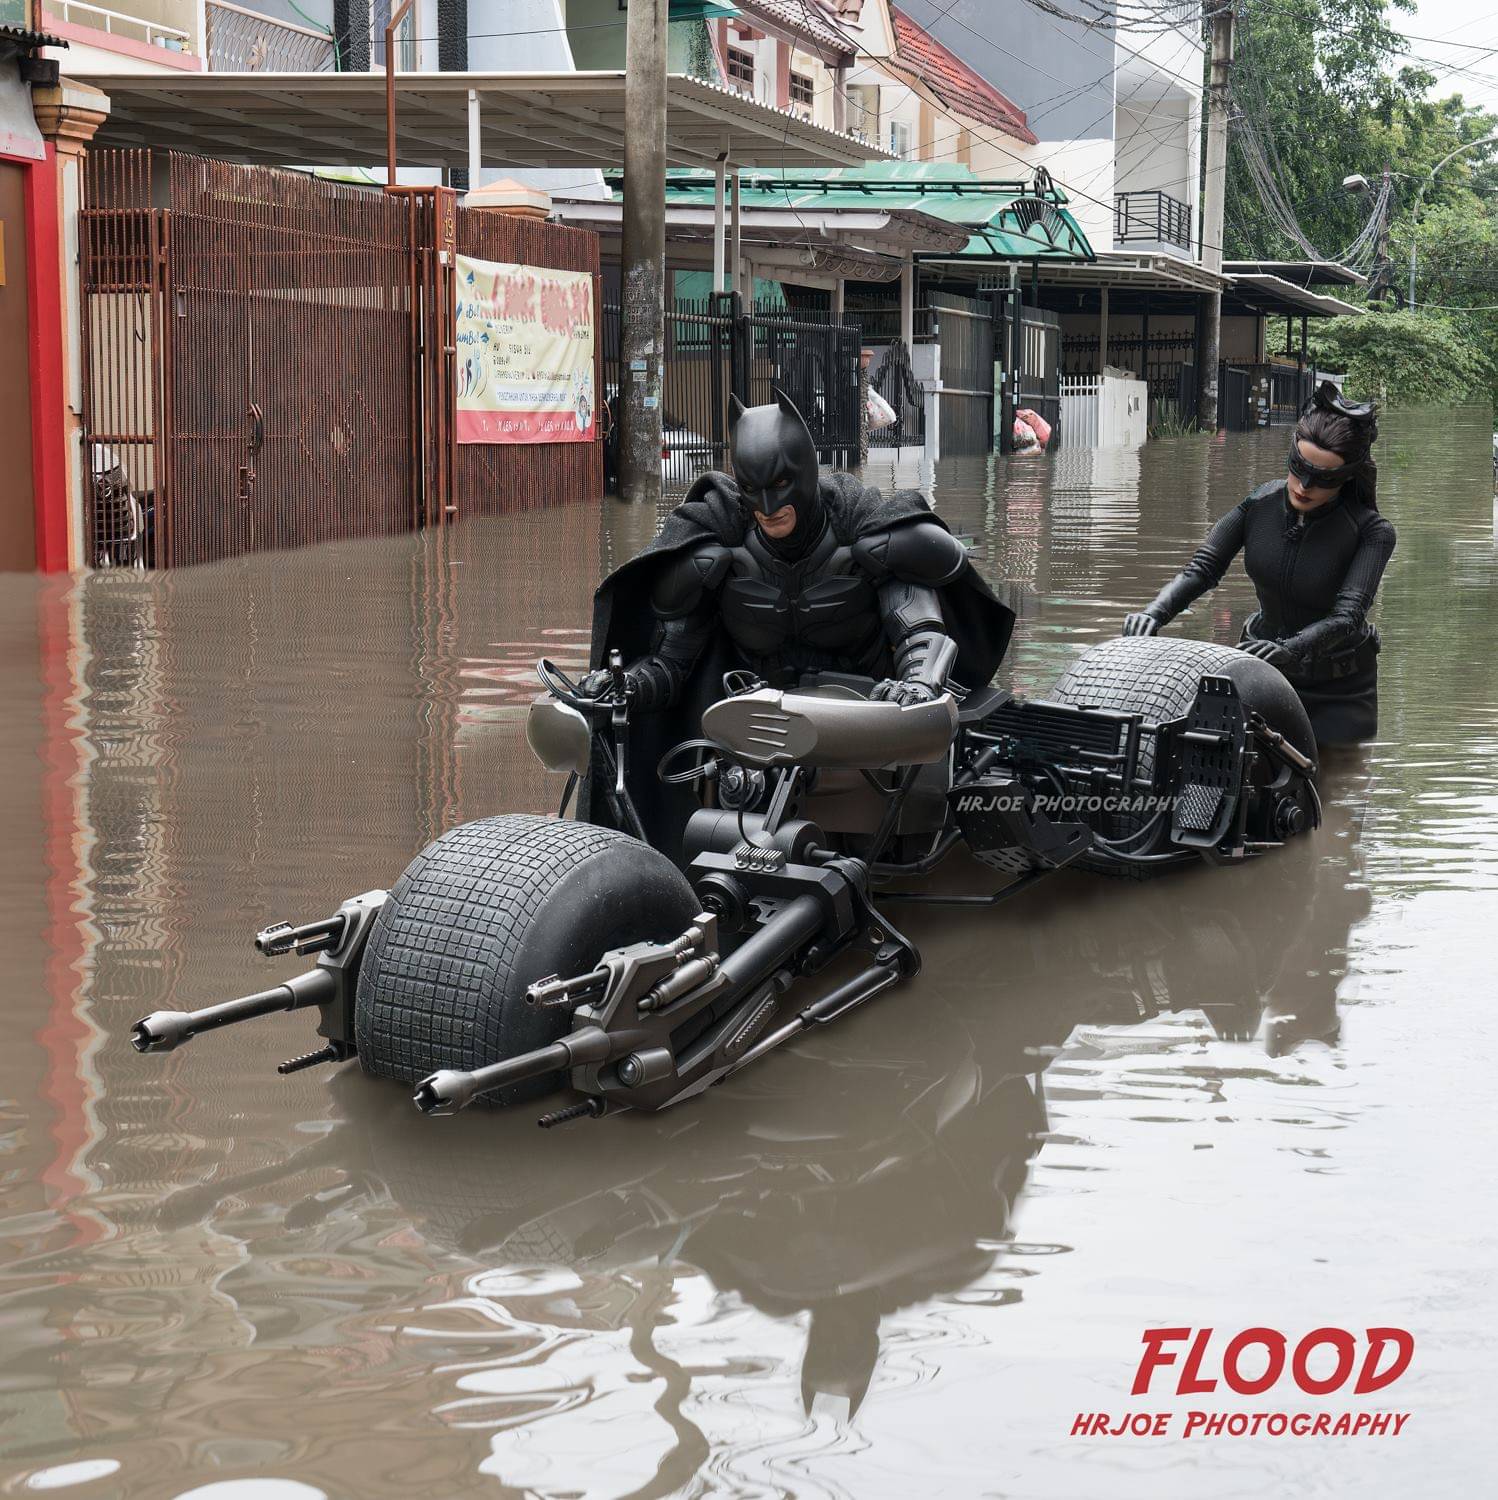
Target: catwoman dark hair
(1347, 429)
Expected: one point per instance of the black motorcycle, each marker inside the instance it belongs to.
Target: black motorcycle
(520, 954)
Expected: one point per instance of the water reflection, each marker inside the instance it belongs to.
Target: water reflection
(212, 1274)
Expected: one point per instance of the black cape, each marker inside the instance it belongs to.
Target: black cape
(623, 620)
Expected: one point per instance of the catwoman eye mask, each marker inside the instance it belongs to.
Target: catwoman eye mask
(1320, 479)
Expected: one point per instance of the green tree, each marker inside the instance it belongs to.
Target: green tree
(1414, 358)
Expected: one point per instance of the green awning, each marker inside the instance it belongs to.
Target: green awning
(1009, 221)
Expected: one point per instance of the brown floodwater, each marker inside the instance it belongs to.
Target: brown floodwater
(894, 1260)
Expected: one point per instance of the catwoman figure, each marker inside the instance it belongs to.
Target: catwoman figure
(783, 571)
(1315, 547)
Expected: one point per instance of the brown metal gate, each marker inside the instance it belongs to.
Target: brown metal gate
(250, 343)
(270, 360)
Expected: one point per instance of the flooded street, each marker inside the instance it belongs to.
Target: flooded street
(894, 1260)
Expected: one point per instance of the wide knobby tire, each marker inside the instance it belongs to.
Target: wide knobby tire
(484, 912)
(1158, 677)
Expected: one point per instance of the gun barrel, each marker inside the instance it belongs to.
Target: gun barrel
(165, 1030)
(449, 1090)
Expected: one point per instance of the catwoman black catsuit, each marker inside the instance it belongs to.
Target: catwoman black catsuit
(1316, 575)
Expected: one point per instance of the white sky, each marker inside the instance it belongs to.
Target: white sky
(1470, 23)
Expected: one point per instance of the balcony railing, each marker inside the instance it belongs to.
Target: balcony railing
(117, 23)
(1151, 218)
(244, 41)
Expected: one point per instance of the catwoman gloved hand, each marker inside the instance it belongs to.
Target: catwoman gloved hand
(893, 690)
(1270, 651)
(1141, 622)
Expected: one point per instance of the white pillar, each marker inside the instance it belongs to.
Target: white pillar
(838, 287)
(907, 301)
(720, 228)
(475, 146)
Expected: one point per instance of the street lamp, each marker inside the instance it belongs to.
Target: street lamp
(1488, 140)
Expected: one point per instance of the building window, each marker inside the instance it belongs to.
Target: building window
(863, 111)
(741, 69)
(801, 90)
(899, 137)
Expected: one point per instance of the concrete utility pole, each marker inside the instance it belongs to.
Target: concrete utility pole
(642, 301)
(1383, 268)
(1214, 201)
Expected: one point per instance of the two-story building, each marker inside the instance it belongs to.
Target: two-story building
(1113, 101)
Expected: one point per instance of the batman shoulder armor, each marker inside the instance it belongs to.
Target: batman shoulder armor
(686, 576)
(915, 552)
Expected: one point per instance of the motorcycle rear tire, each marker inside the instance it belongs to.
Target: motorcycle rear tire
(1158, 677)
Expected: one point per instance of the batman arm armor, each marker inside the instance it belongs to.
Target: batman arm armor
(911, 564)
(686, 615)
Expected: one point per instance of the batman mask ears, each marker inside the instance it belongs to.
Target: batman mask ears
(787, 406)
(736, 409)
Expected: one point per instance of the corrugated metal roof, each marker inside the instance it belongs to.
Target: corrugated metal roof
(1006, 220)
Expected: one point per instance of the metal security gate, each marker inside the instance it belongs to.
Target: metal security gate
(1029, 342)
(715, 348)
(250, 340)
(965, 331)
(815, 362)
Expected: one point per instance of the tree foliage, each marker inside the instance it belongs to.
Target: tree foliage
(1416, 358)
(1331, 91)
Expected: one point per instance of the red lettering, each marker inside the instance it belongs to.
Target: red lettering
(1154, 1356)
(1272, 1341)
(1342, 1342)
(1194, 1419)
(1189, 1384)
(1369, 1379)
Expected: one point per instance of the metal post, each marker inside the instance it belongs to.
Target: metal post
(1214, 203)
(642, 317)
(838, 299)
(475, 140)
(907, 301)
(1487, 140)
(1102, 331)
(735, 233)
(396, 17)
(720, 226)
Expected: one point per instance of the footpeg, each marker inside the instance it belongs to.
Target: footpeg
(330, 1053)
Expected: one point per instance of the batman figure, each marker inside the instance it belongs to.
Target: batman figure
(782, 571)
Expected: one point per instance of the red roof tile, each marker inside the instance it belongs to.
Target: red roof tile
(953, 82)
(808, 18)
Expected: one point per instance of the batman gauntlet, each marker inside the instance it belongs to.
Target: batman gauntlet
(923, 650)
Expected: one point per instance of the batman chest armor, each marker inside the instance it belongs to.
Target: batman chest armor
(818, 611)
